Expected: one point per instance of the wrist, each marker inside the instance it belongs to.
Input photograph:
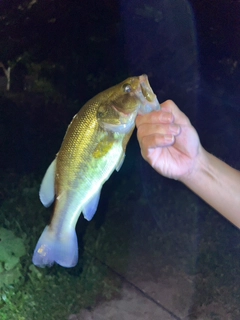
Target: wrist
(199, 167)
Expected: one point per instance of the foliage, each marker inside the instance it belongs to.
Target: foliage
(48, 293)
(62, 37)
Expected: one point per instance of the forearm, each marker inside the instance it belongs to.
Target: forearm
(218, 184)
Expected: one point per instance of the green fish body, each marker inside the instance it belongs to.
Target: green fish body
(93, 147)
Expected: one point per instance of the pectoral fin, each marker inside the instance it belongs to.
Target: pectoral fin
(91, 207)
(47, 190)
(120, 162)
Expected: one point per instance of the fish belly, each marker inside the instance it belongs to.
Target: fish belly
(58, 242)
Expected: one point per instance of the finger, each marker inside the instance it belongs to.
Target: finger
(162, 129)
(179, 116)
(160, 116)
(156, 141)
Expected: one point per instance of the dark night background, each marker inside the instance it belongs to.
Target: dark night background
(62, 53)
(76, 49)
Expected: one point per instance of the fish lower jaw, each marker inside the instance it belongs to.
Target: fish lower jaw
(125, 125)
(122, 128)
(148, 107)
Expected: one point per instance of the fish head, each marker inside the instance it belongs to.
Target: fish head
(119, 105)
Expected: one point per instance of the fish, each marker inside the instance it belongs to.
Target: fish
(93, 147)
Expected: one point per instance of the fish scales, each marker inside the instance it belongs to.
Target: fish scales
(93, 147)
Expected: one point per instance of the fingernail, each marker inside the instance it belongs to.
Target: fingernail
(174, 128)
(169, 138)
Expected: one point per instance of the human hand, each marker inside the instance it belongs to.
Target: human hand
(168, 141)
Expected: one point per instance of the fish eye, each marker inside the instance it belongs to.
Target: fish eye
(127, 88)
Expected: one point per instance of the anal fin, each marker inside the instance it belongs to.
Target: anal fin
(90, 207)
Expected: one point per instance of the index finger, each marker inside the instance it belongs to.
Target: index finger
(155, 117)
(179, 116)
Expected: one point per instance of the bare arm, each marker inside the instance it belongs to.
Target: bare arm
(171, 145)
(218, 184)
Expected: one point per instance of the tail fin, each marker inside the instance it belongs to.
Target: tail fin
(62, 250)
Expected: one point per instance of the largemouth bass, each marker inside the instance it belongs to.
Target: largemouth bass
(93, 147)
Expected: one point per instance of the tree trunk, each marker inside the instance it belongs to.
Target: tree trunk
(7, 74)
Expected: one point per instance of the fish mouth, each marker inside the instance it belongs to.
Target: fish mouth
(146, 89)
(123, 124)
(124, 114)
(149, 101)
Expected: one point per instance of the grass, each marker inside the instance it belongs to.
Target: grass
(52, 293)
(142, 215)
